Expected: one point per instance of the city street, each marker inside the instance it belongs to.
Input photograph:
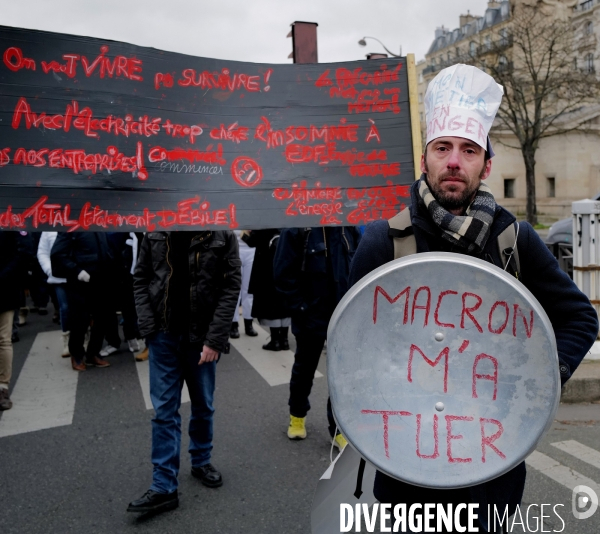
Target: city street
(75, 448)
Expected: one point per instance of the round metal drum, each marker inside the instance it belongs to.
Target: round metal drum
(443, 370)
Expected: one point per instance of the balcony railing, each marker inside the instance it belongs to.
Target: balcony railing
(586, 5)
(495, 46)
(586, 40)
(507, 66)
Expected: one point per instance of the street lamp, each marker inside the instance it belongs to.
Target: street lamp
(363, 42)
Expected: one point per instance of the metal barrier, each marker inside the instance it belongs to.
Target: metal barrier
(586, 248)
(563, 252)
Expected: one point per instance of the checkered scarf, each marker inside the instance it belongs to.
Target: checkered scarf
(469, 231)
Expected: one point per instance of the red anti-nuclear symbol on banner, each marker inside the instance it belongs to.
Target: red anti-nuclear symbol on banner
(246, 171)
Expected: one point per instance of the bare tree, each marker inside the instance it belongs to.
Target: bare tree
(535, 61)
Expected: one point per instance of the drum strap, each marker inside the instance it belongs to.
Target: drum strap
(405, 243)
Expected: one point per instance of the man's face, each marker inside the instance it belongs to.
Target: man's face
(455, 167)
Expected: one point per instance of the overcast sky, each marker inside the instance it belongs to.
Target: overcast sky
(246, 30)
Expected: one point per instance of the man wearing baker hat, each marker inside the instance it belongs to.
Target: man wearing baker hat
(452, 210)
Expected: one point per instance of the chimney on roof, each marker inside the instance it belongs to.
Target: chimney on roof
(492, 4)
(439, 32)
(466, 19)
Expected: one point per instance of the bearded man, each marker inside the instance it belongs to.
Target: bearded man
(452, 210)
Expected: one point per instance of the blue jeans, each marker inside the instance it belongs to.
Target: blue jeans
(60, 291)
(171, 362)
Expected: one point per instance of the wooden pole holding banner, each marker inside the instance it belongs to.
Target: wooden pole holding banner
(415, 122)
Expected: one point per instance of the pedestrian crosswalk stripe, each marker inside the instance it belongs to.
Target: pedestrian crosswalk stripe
(274, 367)
(44, 394)
(580, 451)
(143, 372)
(558, 472)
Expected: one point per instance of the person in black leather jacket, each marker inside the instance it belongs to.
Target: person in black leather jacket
(186, 287)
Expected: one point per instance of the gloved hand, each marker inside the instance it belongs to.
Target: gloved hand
(83, 276)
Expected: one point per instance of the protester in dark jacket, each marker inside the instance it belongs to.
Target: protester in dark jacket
(213, 271)
(311, 271)
(37, 281)
(452, 210)
(268, 305)
(186, 287)
(573, 319)
(86, 260)
(122, 244)
(12, 265)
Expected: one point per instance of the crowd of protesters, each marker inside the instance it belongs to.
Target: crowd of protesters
(182, 293)
(88, 277)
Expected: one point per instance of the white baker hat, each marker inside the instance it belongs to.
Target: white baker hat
(462, 101)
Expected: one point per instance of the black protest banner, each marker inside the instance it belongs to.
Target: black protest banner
(101, 135)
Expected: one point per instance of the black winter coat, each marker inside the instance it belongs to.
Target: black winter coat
(13, 265)
(572, 316)
(83, 251)
(267, 302)
(216, 277)
(311, 271)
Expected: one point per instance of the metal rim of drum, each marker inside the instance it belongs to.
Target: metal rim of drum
(340, 341)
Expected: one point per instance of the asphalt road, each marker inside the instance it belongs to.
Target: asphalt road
(75, 449)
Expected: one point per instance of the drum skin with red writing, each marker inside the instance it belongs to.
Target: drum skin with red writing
(443, 370)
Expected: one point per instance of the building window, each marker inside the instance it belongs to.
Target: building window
(502, 62)
(488, 42)
(472, 48)
(420, 98)
(588, 4)
(503, 37)
(550, 187)
(589, 63)
(589, 27)
(421, 116)
(509, 188)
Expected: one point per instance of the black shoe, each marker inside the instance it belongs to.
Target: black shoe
(283, 338)
(234, 332)
(5, 402)
(249, 328)
(273, 345)
(208, 475)
(153, 501)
